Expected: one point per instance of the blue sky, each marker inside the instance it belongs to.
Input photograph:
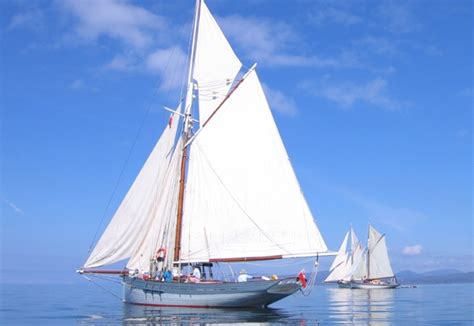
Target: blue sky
(373, 100)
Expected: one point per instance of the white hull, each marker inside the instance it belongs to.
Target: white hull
(231, 294)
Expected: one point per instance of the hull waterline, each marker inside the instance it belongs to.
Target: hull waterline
(250, 294)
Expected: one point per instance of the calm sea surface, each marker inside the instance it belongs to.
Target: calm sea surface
(86, 304)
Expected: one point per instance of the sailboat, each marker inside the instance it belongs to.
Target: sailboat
(218, 187)
(346, 259)
(371, 269)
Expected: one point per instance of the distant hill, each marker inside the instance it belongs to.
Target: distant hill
(436, 276)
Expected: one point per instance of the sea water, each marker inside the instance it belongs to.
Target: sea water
(86, 304)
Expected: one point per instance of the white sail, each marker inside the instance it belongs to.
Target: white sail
(242, 196)
(127, 228)
(374, 262)
(160, 227)
(215, 64)
(355, 243)
(379, 263)
(341, 254)
(338, 273)
(339, 265)
(359, 268)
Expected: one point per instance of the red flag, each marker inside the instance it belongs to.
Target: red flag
(170, 122)
(302, 278)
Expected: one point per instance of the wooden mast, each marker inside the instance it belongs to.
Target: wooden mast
(187, 126)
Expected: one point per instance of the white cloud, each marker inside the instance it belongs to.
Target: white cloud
(347, 94)
(397, 17)
(15, 208)
(399, 218)
(280, 102)
(323, 16)
(77, 84)
(116, 19)
(271, 43)
(29, 19)
(169, 63)
(121, 63)
(469, 92)
(378, 45)
(413, 250)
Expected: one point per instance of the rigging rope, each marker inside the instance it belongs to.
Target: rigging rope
(238, 204)
(312, 280)
(102, 287)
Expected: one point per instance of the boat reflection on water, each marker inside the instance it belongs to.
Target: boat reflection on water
(147, 315)
(370, 307)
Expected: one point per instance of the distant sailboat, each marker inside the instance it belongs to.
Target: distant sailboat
(220, 190)
(346, 257)
(363, 269)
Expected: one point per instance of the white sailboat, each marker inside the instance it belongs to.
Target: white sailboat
(371, 268)
(343, 264)
(218, 187)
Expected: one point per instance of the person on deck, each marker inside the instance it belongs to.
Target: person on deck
(244, 277)
(195, 277)
(197, 272)
(167, 276)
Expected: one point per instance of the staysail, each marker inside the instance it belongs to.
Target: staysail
(128, 226)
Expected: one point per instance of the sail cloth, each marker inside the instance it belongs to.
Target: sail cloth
(355, 243)
(340, 264)
(128, 226)
(359, 268)
(160, 227)
(215, 64)
(373, 263)
(242, 197)
(379, 263)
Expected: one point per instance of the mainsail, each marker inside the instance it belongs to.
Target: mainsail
(239, 195)
(132, 220)
(379, 263)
